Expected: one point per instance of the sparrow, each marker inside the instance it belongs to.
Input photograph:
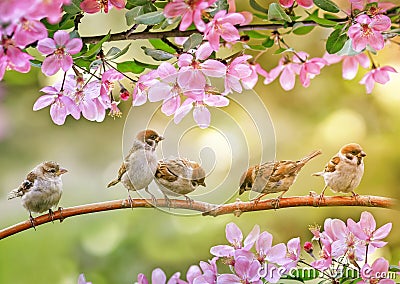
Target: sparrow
(178, 177)
(139, 166)
(344, 171)
(273, 176)
(41, 190)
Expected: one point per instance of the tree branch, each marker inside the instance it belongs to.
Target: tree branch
(128, 35)
(237, 208)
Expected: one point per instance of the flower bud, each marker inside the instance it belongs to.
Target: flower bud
(308, 247)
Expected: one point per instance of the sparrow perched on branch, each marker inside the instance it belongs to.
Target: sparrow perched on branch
(344, 171)
(178, 177)
(41, 190)
(273, 177)
(139, 166)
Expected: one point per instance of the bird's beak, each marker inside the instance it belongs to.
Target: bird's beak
(159, 138)
(362, 154)
(61, 171)
(203, 184)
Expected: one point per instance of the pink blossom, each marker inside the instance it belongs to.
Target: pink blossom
(350, 63)
(309, 67)
(287, 71)
(368, 30)
(29, 31)
(107, 83)
(361, 4)
(158, 277)
(346, 243)
(246, 271)
(13, 58)
(235, 238)
(82, 280)
(191, 12)
(366, 230)
(192, 74)
(52, 10)
(142, 86)
(58, 51)
(223, 25)
(293, 253)
(238, 69)
(325, 260)
(376, 273)
(167, 89)
(60, 104)
(302, 3)
(379, 75)
(94, 6)
(210, 272)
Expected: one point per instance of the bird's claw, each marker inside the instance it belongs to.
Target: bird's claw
(189, 200)
(51, 214)
(60, 209)
(275, 202)
(32, 221)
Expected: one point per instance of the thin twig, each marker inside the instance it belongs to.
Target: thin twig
(237, 208)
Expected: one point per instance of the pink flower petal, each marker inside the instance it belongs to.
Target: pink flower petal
(383, 231)
(90, 6)
(175, 9)
(216, 101)
(159, 92)
(183, 110)
(187, 20)
(73, 46)
(170, 105)
(50, 65)
(305, 3)
(43, 101)
(202, 116)
(264, 243)
(287, 79)
(46, 46)
(158, 276)
(58, 113)
(286, 3)
(61, 38)
(222, 250)
(66, 62)
(213, 68)
(251, 237)
(118, 4)
(233, 234)
(349, 67)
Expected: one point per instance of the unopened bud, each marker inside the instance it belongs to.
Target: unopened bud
(308, 247)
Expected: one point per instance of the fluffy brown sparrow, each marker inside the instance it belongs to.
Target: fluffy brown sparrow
(273, 177)
(344, 171)
(41, 190)
(177, 177)
(139, 166)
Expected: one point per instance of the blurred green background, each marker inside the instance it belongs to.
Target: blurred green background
(113, 247)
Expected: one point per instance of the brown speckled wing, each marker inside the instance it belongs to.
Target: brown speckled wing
(331, 166)
(166, 172)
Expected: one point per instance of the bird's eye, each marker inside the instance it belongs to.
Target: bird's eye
(52, 171)
(153, 137)
(354, 152)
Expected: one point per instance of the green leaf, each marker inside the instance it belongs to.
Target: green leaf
(146, 65)
(36, 63)
(327, 5)
(138, 2)
(347, 49)
(82, 63)
(275, 12)
(254, 34)
(193, 41)
(149, 7)
(394, 268)
(95, 64)
(112, 51)
(151, 18)
(74, 8)
(258, 7)
(132, 14)
(281, 50)
(159, 44)
(157, 54)
(120, 53)
(95, 48)
(269, 42)
(130, 66)
(160, 5)
(256, 47)
(336, 41)
(321, 21)
(219, 5)
(301, 29)
(261, 16)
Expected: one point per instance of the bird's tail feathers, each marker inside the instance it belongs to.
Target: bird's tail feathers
(310, 156)
(317, 174)
(114, 182)
(14, 193)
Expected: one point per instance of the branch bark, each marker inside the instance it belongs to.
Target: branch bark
(237, 208)
(128, 35)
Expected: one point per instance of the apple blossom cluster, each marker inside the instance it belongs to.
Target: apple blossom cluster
(21, 26)
(344, 255)
(184, 79)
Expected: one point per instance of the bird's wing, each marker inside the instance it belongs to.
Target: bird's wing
(331, 165)
(170, 170)
(25, 186)
(121, 172)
